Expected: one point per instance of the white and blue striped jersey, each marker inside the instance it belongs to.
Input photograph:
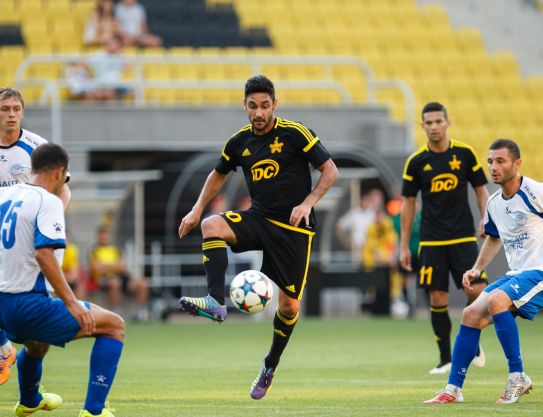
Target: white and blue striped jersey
(518, 222)
(30, 218)
(15, 163)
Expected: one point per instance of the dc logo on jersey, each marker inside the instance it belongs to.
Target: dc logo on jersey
(444, 182)
(265, 169)
(58, 227)
(521, 219)
(17, 169)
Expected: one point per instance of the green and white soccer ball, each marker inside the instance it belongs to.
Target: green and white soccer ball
(251, 291)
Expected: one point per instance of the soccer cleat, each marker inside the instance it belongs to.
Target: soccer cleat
(451, 394)
(442, 368)
(49, 402)
(480, 360)
(106, 412)
(6, 361)
(262, 383)
(516, 387)
(206, 307)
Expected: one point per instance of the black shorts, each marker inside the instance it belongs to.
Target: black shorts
(437, 261)
(286, 249)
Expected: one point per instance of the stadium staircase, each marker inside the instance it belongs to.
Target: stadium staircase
(485, 92)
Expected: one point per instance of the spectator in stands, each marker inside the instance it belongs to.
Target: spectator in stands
(108, 66)
(72, 268)
(352, 226)
(133, 21)
(102, 25)
(380, 247)
(80, 81)
(109, 272)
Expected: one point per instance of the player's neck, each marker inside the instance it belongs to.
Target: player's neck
(510, 188)
(439, 146)
(9, 138)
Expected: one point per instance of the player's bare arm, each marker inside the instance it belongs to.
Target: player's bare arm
(407, 217)
(51, 268)
(212, 186)
(482, 198)
(328, 176)
(491, 247)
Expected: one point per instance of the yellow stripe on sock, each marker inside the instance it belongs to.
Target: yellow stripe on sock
(288, 322)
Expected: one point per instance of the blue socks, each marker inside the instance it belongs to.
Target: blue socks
(465, 349)
(507, 332)
(30, 370)
(3, 338)
(103, 366)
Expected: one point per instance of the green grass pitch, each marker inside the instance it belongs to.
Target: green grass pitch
(335, 368)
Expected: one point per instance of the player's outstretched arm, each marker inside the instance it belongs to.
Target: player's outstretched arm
(212, 186)
(328, 176)
(51, 268)
(407, 216)
(491, 247)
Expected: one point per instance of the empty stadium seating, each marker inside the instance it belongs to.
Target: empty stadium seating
(485, 93)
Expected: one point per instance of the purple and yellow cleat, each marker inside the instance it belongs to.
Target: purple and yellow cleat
(206, 307)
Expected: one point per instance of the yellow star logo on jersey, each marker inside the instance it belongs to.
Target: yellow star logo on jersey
(246, 152)
(455, 163)
(276, 145)
(427, 167)
(291, 288)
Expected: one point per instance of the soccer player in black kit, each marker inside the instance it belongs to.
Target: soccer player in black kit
(441, 170)
(274, 155)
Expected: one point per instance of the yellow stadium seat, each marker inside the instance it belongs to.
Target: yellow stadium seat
(469, 40)
(187, 72)
(156, 71)
(505, 63)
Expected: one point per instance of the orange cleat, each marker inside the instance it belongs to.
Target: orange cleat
(6, 361)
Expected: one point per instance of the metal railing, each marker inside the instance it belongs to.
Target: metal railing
(139, 83)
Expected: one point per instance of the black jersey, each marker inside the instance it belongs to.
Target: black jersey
(275, 165)
(443, 180)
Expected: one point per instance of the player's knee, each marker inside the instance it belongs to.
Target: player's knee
(498, 302)
(117, 327)
(289, 310)
(212, 226)
(472, 316)
(36, 349)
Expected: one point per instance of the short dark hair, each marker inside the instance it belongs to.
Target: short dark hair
(47, 157)
(434, 106)
(8, 92)
(510, 144)
(259, 84)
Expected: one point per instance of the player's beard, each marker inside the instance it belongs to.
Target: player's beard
(266, 125)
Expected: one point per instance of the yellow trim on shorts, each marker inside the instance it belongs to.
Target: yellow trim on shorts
(448, 242)
(289, 227)
(306, 266)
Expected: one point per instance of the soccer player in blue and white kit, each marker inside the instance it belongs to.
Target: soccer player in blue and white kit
(514, 219)
(32, 231)
(16, 146)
